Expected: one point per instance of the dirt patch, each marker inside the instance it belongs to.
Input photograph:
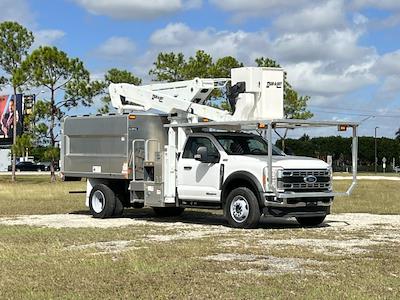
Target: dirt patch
(328, 247)
(87, 221)
(348, 220)
(359, 220)
(375, 229)
(266, 265)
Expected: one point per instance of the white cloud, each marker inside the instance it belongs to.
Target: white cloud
(388, 64)
(20, 11)
(382, 4)
(338, 45)
(329, 63)
(243, 10)
(16, 10)
(359, 19)
(137, 9)
(47, 37)
(260, 6)
(328, 15)
(390, 88)
(179, 37)
(116, 48)
(315, 79)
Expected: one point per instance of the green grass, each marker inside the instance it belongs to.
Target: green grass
(367, 174)
(36, 195)
(369, 196)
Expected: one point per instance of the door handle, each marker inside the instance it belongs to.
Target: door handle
(187, 168)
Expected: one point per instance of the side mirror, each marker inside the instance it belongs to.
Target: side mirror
(201, 154)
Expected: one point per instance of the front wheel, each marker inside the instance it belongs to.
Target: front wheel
(242, 209)
(310, 221)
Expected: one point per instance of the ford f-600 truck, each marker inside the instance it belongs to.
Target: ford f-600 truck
(168, 150)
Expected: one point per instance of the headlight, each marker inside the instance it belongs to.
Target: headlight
(329, 169)
(330, 172)
(276, 174)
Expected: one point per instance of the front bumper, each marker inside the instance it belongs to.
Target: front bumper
(298, 204)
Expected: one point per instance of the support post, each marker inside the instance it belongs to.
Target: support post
(354, 160)
(269, 138)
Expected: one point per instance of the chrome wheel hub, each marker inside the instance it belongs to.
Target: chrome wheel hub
(98, 201)
(239, 209)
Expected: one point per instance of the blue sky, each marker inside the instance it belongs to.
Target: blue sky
(344, 54)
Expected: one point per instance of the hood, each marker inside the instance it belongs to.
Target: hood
(293, 162)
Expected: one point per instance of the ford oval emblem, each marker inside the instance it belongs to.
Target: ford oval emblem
(310, 179)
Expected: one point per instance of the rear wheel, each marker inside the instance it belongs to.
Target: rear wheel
(242, 209)
(119, 207)
(102, 201)
(168, 211)
(310, 221)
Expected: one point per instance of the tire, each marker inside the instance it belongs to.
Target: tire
(119, 207)
(102, 201)
(241, 208)
(310, 221)
(168, 211)
(39, 170)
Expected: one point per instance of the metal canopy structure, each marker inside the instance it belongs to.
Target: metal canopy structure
(269, 126)
(275, 123)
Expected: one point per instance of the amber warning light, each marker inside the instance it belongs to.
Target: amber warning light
(342, 127)
(261, 126)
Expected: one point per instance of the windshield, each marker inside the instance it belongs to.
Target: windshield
(246, 145)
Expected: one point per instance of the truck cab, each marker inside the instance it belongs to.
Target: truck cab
(230, 168)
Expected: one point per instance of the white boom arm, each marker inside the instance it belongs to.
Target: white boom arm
(184, 96)
(259, 95)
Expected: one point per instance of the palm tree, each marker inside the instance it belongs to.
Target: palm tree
(398, 135)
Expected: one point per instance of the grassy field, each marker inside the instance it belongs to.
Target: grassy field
(369, 196)
(195, 256)
(35, 195)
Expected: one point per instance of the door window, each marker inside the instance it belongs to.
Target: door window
(194, 143)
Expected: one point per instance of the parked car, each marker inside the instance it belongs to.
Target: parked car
(28, 166)
(396, 169)
(47, 165)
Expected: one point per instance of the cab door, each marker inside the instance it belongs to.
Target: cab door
(199, 180)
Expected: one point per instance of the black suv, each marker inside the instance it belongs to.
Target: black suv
(28, 166)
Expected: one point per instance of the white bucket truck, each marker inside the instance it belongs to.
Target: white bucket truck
(168, 150)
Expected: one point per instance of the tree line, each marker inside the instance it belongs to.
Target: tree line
(340, 150)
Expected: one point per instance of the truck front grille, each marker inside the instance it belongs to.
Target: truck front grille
(296, 180)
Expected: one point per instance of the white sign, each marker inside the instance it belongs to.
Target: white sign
(329, 160)
(384, 160)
